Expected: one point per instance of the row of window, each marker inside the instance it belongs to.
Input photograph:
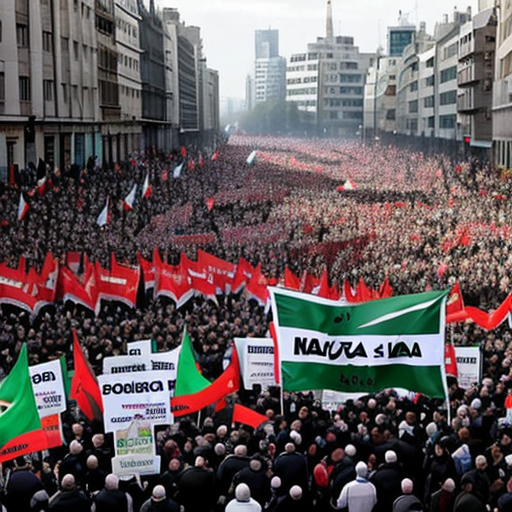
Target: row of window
(306, 80)
(300, 92)
(127, 28)
(342, 103)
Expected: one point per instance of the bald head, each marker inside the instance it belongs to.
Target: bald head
(111, 482)
(68, 482)
(241, 450)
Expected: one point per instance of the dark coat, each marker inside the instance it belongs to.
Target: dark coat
(388, 483)
(292, 469)
(111, 501)
(228, 468)
(467, 502)
(20, 489)
(75, 501)
(196, 490)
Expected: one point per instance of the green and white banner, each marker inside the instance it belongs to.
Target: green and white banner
(389, 343)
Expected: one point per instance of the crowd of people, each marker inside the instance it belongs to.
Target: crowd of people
(424, 222)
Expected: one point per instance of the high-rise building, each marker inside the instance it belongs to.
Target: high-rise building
(400, 36)
(269, 68)
(328, 81)
(266, 43)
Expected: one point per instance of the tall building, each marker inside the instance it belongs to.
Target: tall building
(502, 92)
(327, 82)
(269, 68)
(128, 70)
(400, 36)
(266, 43)
(48, 84)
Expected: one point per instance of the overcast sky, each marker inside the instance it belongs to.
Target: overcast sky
(227, 26)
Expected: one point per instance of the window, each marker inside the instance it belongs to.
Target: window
(431, 122)
(447, 122)
(448, 74)
(391, 114)
(430, 62)
(413, 107)
(64, 44)
(48, 90)
(75, 50)
(428, 102)
(414, 86)
(429, 81)
(47, 41)
(65, 93)
(24, 88)
(448, 98)
(22, 35)
(0, 31)
(2, 86)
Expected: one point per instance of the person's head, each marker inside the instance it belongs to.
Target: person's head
(480, 463)
(111, 482)
(68, 483)
(75, 448)
(158, 493)
(390, 457)
(77, 429)
(466, 483)
(98, 440)
(242, 492)
(448, 485)
(240, 450)
(200, 462)
(174, 464)
(296, 492)
(361, 469)
(407, 486)
(255, 465)
(289, 447)
(92, 462)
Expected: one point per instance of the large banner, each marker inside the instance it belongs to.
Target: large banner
(389, 343)
(469, 366)
(256, 356)
(48, 387)
(139, 395)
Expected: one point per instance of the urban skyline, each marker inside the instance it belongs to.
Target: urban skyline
(299, 22)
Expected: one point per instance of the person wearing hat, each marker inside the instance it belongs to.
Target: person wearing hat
(229, 467)
(243, 501)
(294, 501)
(344, 470)
(407, 501)
(159, 502)
(193, 479)
(21, 485)
(359, 495)
(480, 479)
(443, 499)
(466, 501)
(387, 480)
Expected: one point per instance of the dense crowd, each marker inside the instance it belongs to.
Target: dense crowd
(423, 222)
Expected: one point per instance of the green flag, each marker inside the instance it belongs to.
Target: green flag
(188, 377)
(20, 426)
(389, 343)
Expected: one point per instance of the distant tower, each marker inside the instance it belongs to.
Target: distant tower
(328, 27)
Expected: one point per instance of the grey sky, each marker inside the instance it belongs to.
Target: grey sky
(227, 26)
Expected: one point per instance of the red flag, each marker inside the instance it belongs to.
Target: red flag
(291, 281)
(73, 260)
(247, 416)
(349, 294)
(215, 156)
(16, 288)
(244, 272)
(119, 284)
(191, 165)
(210, 202)
(324, 290)
(310, 282)
(183, 151)
(222, 272)
(46, 281)
(450, 361)
(256, 288)
(84, 386)
(227, 383)
(277, 368)
(70, 287)
(364, 293)
(148, 272)
(454, 303)
(129, 200)
(173, 282)
(201, 280)
(385, 290)
(147, 189)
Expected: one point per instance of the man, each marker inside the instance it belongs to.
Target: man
(196, 487)
(159, 502)
(466, 501)
(292, 468)
(110, 498)
(243, 501)
(69, 498)
(407, 501)
(358, 495)
(387, 480)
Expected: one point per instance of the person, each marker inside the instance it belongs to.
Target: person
(443, 500)
(257, 479)
(291, 468)
(359, 495)
(110, 498)
(407, 501)
(387, 480)
(243, 501)
(69, 498)
(466, 501)
(21, 486)
(159, 502)
(192, 479)
(293, 501)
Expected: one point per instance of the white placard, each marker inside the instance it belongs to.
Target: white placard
(161, 361)
(136, 464)
(48, 387)
(469, 366)
(139, 348)
(136, 396)
(256, 357)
